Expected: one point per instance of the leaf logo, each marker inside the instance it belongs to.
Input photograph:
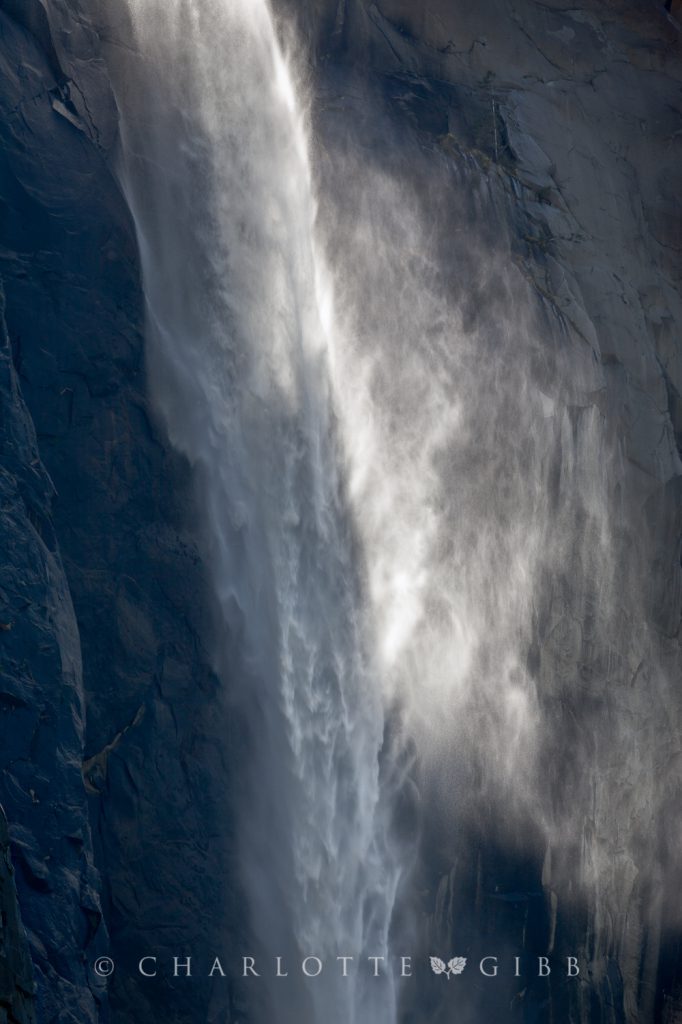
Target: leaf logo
(454, 966)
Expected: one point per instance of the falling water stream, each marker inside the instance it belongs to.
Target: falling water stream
(217, 171)
(385, 473)
(324, 443)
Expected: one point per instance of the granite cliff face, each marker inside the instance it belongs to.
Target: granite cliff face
(564, 125)
(42, 707)
(17, 987)
(107, 689)
(567, 121)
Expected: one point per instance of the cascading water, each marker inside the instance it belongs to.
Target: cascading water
(403, 495)
(217, 173)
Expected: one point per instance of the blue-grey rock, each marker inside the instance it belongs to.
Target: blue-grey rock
(137, 732)
(566, 121)
(17, 985)
(42, 725)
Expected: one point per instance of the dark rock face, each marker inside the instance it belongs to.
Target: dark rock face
(99, 568)
(42, 725)
(112, 753)
(17, 987)
(567, 122)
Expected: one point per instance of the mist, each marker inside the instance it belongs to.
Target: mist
(414, 511)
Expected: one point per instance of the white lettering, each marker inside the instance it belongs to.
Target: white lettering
(249, 963)
(279, 969)
(345, 961)
(376, 960)
(185, 965)
(492, 973)
(146, 974)
(317, 961)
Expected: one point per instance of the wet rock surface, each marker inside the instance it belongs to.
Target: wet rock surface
(113, 761)
(567, 121)
(110, 741)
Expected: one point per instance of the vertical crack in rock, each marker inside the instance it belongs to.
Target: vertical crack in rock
(17, 984)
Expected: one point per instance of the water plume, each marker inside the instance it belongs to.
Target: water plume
(406, 485)
(217, 172)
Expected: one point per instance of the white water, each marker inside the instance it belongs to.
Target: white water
(217, 173)
(345, 477)
(374, 472)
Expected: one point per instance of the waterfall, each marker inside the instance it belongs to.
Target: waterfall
(406, 503)
(216, 168)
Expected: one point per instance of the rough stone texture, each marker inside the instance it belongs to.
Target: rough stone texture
(17, 986)
(42, 725)
(571, 114)
(570, 118)
(116, 513)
